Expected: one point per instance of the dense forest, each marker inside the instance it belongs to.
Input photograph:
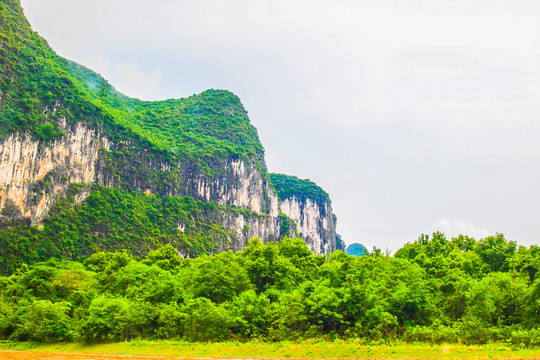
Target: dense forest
(113, 219)
(433, 290)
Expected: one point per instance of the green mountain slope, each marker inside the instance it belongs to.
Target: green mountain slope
(213, 124)
(115, 219)
(37, 87)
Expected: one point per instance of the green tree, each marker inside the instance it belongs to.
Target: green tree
(208, 321)
(496, 251)
(267, 269)
(112, 319)
(45, 321)
(498, 300)
(165, 257)
(219, 278)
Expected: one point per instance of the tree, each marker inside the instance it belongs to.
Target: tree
(267, 269)
(45, 321)
(165, 257)
(496, 251)
(219, 278)
(112, 319)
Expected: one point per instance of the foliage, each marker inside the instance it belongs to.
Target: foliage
(288, 186)
(40, 93)
(434, 290)
(44, 321)
(115, 219)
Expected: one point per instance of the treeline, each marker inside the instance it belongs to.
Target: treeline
(434, 290)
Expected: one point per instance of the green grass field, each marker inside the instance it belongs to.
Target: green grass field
(309, 349)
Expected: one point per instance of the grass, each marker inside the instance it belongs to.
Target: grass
(308, 349)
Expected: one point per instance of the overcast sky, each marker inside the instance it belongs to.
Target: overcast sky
(414, 116)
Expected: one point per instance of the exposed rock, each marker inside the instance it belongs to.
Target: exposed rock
(239, 184)
(315, 223)
(33, 175)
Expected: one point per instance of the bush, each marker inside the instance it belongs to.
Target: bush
(525, 338)
(45, 321)
(112, 320)
(208, 321)
(432, 334)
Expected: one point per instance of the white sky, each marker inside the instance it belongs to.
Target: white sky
(414, 116)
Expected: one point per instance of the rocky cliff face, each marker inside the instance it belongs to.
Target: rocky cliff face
(242, 228)
(227, 182)
(239, 184)
(33, 175)
(309, 206)
(315, 223)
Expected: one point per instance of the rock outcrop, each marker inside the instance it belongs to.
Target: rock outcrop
(240, 184)
(309, 206)
(315, 223)
(33, 175)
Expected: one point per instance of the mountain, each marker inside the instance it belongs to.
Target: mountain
(311, 209)
(85, 168)
(356, 250)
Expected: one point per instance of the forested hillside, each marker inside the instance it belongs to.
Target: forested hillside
(435, 290)
(115, 219)
(38, 87)
(84, 168)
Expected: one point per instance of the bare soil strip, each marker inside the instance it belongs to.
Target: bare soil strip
(36, 355)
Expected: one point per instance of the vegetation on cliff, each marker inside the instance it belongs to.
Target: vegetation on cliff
(114, 219)
(38, 88)
(288, 186)
(158, 146)
(435, 290)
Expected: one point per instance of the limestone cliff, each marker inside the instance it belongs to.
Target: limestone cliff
(315, 223)
(33, 175)
(309, 206)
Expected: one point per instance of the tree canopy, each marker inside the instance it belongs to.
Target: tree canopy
(434, 289)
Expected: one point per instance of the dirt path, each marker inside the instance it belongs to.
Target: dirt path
(35, 355)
